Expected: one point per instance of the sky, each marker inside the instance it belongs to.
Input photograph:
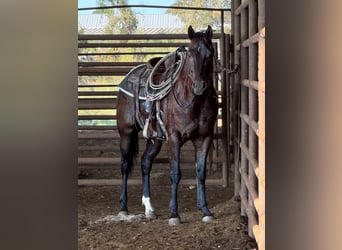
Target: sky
(92, 3)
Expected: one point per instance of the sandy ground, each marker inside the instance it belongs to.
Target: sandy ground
(98, 208)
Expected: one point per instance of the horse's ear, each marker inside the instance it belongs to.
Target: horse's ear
(209, 32)
(191, 32)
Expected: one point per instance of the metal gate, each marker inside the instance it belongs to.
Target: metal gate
(248, 105)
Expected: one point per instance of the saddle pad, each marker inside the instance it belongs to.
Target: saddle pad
(137, 76)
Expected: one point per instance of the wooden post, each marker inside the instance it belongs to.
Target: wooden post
(244, 105)
(253, 106)
(261, 134)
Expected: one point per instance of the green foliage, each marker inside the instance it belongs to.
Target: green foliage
(200, 19)
(81, 30)
(122, 20)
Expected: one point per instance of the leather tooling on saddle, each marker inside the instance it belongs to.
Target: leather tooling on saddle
(150, 83)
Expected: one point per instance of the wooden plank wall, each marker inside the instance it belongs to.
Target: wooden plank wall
(248, 122)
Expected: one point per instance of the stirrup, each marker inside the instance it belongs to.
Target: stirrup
(146, 129)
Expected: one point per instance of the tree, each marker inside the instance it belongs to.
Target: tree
(200, 18)
(120, 20)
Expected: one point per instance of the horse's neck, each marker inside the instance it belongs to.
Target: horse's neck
(183, 87)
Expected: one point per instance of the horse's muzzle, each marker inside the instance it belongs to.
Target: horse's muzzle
(199, 87)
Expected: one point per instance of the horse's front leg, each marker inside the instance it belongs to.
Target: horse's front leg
(152, 149)
(175, 177)
(202, 147)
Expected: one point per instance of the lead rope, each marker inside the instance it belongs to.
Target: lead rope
(162, 89)
(219, 68)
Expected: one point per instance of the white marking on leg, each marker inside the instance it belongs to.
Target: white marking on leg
(149, 211)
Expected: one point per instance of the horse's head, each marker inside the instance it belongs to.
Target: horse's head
(201, 54)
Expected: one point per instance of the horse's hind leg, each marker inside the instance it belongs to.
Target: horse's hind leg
(152, 149)
(127, 148)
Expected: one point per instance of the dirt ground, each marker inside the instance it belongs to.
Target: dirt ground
(98, 205)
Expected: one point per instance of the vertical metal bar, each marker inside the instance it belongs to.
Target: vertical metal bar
(253, 105)
(236, 100)
(222, 22)
(216, 141)
(244, 104)
(217, 87)
(228, 91)
(211, 168)
(224, 105)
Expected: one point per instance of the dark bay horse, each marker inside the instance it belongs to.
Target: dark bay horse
(188, 112)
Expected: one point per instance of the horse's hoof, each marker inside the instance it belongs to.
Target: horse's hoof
(174, 221)
(123, 213)
(150, 215)
(208, 219)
